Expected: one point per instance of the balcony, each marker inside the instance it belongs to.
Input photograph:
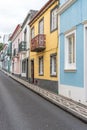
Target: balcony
(22, 47)
(38, 43)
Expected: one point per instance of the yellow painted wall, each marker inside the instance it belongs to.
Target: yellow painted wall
(51, 46)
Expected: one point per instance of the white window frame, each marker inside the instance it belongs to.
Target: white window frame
(53, 19)
(32, 33)
(70, 66)
(41, 26)
(24, 66)
(85, 60)
(53, 73)
(41, 65)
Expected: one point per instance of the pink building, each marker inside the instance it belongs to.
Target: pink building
(16, 56)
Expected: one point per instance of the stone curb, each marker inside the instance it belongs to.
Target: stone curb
(67, 105)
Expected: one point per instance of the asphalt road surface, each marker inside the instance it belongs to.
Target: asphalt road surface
(22, 109)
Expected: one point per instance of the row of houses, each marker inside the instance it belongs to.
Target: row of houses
(49, 48)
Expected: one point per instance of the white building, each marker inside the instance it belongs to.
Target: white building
(24, 46)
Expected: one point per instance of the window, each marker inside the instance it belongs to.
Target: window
(24, 66)
(54, 19)
(41, 27)
(41, 65)
(25, 35)
(18, 41)
(53, 65)
(70, 48)
(32, 33)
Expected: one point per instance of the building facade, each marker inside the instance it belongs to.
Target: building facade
(4, 53)
(72, 16)
(15, 38)
(5, 57)
(44, 46)
(9, 54)
(24, 47)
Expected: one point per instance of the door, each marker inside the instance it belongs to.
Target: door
(27, 70)
(13, 68)
(32, 71)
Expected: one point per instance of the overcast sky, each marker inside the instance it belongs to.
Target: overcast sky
(13, 12)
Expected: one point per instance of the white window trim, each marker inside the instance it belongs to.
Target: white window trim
(53, 72)
(53, 27)
(85, 27)
(69, 67)
(41, 26)
(32, 33)
(41, 66)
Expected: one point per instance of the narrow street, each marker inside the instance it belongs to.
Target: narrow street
(22, 109)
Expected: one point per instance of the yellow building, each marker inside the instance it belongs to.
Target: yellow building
(44, 47)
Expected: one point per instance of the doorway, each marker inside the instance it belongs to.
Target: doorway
(27, 69)
(32, 71)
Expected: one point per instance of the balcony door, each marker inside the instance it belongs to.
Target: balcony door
(32, 71)
(27, 69)
(13, 68)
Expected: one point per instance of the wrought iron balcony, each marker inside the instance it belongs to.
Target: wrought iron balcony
(38, 43)
(22, 46)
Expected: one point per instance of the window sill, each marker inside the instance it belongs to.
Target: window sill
(41, 74)
(52, 75)
(70, 70)
(52, 30)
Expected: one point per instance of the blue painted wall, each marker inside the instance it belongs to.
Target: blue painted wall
(84, 10)
(73, 17)
(62, 2)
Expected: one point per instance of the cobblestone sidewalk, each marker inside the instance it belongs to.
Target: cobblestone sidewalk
(74, 108)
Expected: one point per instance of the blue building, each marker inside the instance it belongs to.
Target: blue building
(72, 16)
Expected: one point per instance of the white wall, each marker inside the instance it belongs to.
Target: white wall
(26, 26)
(74, 93)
